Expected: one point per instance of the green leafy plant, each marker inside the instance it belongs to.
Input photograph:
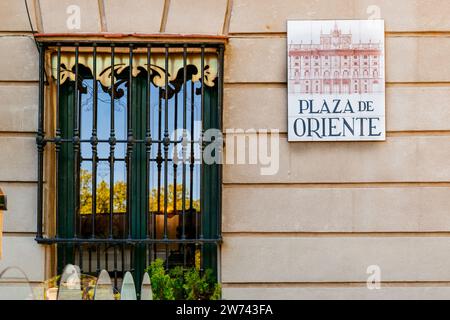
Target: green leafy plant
(182, 284)
(162, 283)
(177, 276)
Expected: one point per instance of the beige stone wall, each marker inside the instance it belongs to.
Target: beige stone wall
(18, 124)
(333, 209)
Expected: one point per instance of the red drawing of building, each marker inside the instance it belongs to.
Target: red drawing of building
(335, 66)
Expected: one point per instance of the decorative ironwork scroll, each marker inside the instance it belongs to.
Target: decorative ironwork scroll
(120, 70)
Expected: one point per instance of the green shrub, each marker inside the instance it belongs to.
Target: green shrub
(182, 284)
(162, 284)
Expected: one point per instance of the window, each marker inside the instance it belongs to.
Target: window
(124, 187)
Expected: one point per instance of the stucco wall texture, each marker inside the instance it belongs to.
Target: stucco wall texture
(333, 209)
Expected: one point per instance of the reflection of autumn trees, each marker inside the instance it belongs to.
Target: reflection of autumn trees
(175, 197)
(120, 195)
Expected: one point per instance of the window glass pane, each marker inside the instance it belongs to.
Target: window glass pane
(102, 166)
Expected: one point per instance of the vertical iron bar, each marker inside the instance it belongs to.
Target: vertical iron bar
(112, 146)
(201, 213)
(94, 141)
(175, 157)
(130, 143)
(192, 160)
(79, 163)
(90, 259)
(184, 145)
(115, 266)
(201, 131)
(131, 258)
(148, 144)
(192, 211)
(166, 148)
(98, 259)
(159, 166)
(40, 143)
(123, 260)
(76, 144)
(64, 251)
(80, 255)
(58, 137)
(106, 258)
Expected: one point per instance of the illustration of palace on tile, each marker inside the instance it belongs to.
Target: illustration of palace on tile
(335, 66)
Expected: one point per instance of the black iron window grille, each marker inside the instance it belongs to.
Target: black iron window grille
(121, 188)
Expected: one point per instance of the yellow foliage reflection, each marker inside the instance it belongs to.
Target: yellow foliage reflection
(120, 195)
(174, 197)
